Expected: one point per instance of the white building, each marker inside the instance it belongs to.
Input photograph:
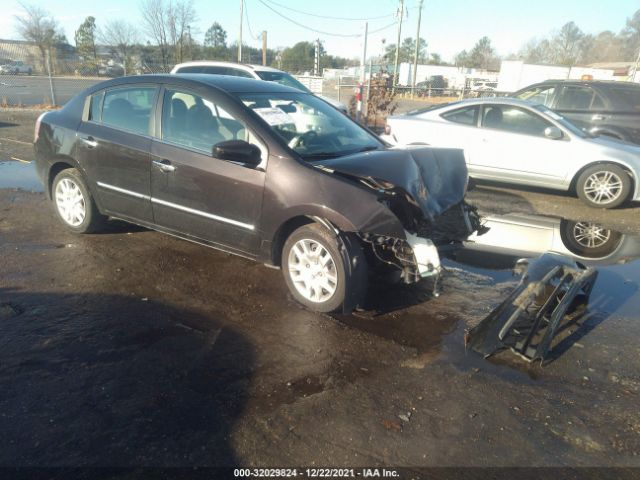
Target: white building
(515, 74)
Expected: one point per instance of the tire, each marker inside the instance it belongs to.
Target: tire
(589, 239)
(302, 257)
(603, 186)
(74, 204)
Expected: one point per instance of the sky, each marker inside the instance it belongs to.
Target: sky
(448, 26)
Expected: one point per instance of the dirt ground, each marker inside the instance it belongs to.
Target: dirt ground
(132, 348)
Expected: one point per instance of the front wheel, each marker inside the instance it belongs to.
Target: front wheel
(74, 204)
(603, 186)
(314, 269)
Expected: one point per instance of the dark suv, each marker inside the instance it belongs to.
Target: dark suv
(599, 107)
(257, 169)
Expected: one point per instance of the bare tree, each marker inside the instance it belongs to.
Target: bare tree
(180, 15)
(121, 37)
(631, 36)
(154, 17)
(168, 23)
(566, 44)
(38, 26)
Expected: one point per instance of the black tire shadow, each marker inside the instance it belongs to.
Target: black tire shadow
(114, 225)
(8, 124)
(384, 297)
(92, 380)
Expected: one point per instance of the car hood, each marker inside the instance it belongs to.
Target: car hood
(435, 178)
(615, 144)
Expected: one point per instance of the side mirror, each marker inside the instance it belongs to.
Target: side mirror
(554, 133)
(238, 151)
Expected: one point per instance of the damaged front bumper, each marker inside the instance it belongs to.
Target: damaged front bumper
(529, 319)
(417, 256)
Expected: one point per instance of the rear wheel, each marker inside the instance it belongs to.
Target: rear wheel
(603, 186)
(314, 269)
(74, 204)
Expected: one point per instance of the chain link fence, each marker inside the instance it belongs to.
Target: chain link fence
(32, 78)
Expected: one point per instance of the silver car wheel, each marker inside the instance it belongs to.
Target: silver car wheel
(70, 202)
(591, 235)
(603, 187)
(312, 270)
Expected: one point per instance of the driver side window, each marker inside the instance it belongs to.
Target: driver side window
(514, 120)
(193, 121)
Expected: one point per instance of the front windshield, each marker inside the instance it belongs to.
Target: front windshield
(283, 79)
(310, 126)
(562, 121)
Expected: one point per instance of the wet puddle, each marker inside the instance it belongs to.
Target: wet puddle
(19, 175)
(615, 255)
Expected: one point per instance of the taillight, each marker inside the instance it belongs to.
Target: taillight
(36, 132)
(387, 129)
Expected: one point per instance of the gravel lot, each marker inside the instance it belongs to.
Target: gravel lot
(132, 348)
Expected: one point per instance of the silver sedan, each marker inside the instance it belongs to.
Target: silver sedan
(515, 141)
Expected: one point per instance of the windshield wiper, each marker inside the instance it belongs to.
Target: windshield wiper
(321, 155)
(325, 155)
(367, 149)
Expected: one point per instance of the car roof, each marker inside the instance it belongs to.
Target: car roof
(440, 107)
(242, 66)
(498, 100)
(227, 83)
(569, 81)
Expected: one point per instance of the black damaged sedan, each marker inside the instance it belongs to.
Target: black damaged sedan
(259, 170)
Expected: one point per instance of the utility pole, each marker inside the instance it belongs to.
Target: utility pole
(240, 39)
(264, 47)
(363, 73)
(316, 60)
(395, 69)
(415, 57)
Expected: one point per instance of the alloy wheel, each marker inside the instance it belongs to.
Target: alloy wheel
(590, 235)
(312, 270)
(603, 187)
(70, 202)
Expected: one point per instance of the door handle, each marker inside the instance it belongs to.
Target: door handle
(90, 142)
(164, 165)
(597, 117)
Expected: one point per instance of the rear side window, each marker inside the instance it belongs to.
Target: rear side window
(191, 69)
(236, 72)
(129, 108)
(95, 107)
(464, 116)
(578, 98)
(627, 99)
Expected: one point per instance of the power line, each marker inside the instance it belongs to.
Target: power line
(344, 35)
(246, 14)
(392, 24)
(328, 16)
(305, 26)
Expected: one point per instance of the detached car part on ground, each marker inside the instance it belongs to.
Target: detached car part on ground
(530, 318)
(259, 170)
